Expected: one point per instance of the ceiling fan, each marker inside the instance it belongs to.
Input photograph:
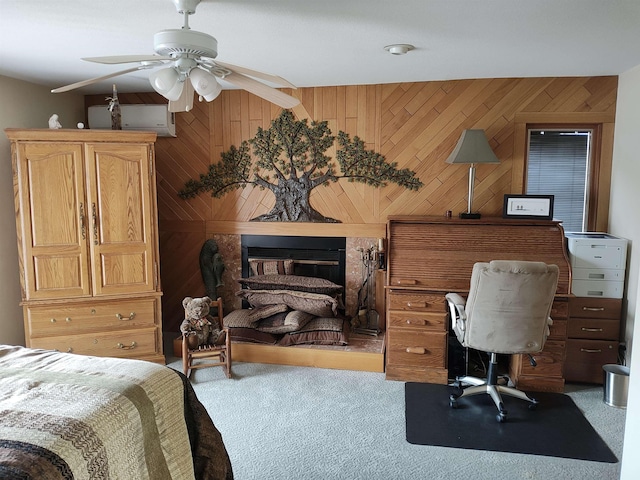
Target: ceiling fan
(188, 57)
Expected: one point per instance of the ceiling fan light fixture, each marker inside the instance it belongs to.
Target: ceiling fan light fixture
(167, 83)
(205, 84)
(183, 51)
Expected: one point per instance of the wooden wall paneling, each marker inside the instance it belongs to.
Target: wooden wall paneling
(341, 109)
(329, 107)
(562, 90)
(577, 100)
(351, 101)
(409, 125)
(414, 124)
(180, 273)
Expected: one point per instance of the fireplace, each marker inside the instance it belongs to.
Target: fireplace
(323, 257)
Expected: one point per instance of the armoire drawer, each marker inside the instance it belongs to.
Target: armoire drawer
(126, 343)
(70, 319)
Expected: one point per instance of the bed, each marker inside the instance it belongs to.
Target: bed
(65, 416)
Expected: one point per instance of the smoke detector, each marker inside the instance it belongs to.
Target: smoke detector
(399, 48)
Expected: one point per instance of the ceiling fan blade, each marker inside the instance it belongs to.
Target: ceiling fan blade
(254, 73)
(185, 102)
(126, 59)
(90, 81)
(260, 89)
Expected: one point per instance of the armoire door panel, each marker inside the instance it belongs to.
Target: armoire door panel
(55, 272)
(54, 215)
(121, 216)
(124, 272)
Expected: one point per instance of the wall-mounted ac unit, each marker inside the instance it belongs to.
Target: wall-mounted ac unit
(155, 118)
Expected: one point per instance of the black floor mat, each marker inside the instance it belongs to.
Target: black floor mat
(556, 428)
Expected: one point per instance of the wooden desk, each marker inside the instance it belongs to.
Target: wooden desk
(431, 256)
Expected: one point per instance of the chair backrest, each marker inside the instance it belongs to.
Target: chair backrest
(216, 310)
(508, 306)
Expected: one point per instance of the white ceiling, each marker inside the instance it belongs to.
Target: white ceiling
(328, 42)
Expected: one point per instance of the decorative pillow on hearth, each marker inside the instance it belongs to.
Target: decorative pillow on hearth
(319, 331)
(249, 317)
(271, 267)
(317, 304)
(251, 335)
(298, 283)
(266, 311)
(285, 322)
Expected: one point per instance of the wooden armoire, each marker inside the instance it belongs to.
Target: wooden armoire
(86, 218)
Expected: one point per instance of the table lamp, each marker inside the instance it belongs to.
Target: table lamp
(472, 148)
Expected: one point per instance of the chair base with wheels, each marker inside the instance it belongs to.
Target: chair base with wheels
(209, 355)
(490, 386)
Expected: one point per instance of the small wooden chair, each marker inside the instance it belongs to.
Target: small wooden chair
(211, 355)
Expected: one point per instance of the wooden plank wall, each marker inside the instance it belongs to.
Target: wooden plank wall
(414, 124)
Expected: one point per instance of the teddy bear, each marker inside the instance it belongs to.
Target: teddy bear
(199, 327)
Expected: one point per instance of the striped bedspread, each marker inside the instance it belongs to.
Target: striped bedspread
(65, 416)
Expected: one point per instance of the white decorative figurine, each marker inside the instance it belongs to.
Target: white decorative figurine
(53, 121)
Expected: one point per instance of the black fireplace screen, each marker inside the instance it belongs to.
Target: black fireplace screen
(322, 257)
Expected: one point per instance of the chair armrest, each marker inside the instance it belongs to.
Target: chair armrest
(454, 298)
(458, 314)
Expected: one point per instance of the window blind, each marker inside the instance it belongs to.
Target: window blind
(557, 165)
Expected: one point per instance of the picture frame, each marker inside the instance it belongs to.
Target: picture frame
(528, 206)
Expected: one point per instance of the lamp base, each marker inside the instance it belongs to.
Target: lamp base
(467, 215)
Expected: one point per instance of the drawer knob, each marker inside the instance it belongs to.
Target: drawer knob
(127, 347)
(131, 316)
(68, 319)
(591, 350)
(586, 329)
(406, 281)
(593, 309)
(53, 320)
(69, 350)
(417, 350)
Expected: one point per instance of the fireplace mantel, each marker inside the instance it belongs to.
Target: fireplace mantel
(302, 229)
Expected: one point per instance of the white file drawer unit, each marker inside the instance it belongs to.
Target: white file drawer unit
(598, 263)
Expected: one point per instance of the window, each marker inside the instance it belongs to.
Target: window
(558, 164)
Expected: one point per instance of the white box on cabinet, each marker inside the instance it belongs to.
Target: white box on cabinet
(598, 262)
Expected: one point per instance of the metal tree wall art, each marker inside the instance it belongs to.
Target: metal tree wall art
(290, 161)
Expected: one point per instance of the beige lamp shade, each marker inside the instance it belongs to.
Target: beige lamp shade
(473, 147)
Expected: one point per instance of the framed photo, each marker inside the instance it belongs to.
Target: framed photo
(528, 206)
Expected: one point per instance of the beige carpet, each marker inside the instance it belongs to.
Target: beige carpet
(301, 423)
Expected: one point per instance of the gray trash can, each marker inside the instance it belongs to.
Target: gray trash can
(616, 385)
